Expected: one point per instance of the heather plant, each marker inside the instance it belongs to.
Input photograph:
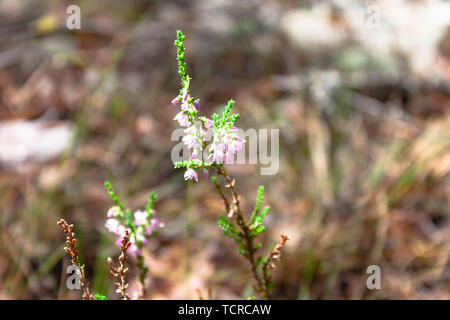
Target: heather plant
(133, 231)
(225, 143)
(137, 227)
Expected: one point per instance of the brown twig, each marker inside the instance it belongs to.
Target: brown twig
(73, 253)
(272, 258)
(119, 273)
(225, 200)
(200, 296)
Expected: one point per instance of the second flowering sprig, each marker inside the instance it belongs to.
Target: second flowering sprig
(140, 226)
(225, 143)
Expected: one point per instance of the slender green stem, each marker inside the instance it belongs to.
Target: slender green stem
(143, 270)
(236, 211)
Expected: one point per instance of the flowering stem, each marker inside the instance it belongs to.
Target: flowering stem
(225, 144)
(141, 226)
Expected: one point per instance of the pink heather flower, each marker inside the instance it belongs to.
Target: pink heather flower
(190, 174)
(217, 154)
(140, 237)
(144, 227)
(196, 130)
(191, 130)
(119, 239)
(135, 239)
(155, 224)
(224, 152)
(195, 136)
(182, 118)
(236, 145)
(225, 145)
(140, 217)
(193, 140)
(184, 106)
(195, 153)
(134, 250)
(205, 174)
(185, 94)
(190, 141)
(146, 224)
(113, 212)
(148, 230)
(208, 123)
(113, 226)
(197, 105)
(175, 100)
(229, 157)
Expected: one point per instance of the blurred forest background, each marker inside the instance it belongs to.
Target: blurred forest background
(358, 89)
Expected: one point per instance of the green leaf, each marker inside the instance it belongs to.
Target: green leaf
(179, 43)
(112, 195)
(224, 223)
(264, 212)
(180, 164)
(99, 296)
(214, 180)
(129, 220)
(258, 203)
(259, 229)
(260, 260)
(230, 230)
(226, 113)
(192, 163)
(232, 235)
(151, 200)
(270, 286)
